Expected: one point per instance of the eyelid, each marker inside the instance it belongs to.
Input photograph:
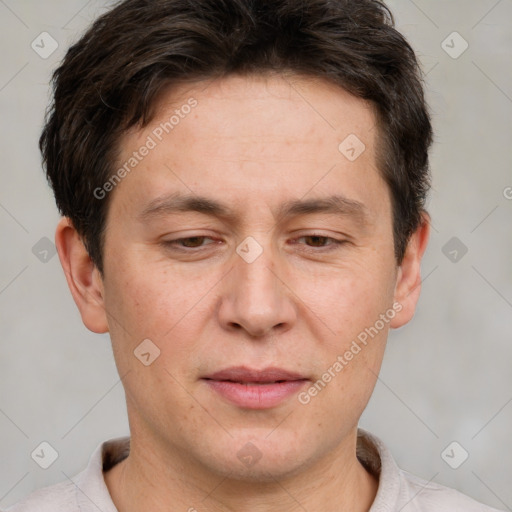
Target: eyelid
(175, 243)
(334, 242)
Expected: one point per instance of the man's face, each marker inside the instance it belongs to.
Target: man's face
(290, 298)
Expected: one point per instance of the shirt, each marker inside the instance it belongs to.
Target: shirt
(398, 490)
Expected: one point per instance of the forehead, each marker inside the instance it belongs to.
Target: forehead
(273, 108)
(275, 135)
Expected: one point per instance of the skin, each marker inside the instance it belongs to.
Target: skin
(252, 143)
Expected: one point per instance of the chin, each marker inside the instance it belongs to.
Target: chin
(261, 472)
(260, 460)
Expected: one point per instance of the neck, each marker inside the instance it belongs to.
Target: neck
(153, 479)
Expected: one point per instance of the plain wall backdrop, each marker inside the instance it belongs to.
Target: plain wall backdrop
(446, 376)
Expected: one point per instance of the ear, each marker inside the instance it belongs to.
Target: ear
(84, 279)
(408, 283)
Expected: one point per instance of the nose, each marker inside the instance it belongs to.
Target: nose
(256, 297)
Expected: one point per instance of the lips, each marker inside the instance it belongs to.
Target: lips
(255, 389)
(247, 376)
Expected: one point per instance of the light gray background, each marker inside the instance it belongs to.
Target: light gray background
(446, 376)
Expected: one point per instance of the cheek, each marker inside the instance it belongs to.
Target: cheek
(348, 300)
(142, 292)
(155, 302)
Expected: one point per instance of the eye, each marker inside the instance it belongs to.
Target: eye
(316, 241)
(192, 242)
(313, 242)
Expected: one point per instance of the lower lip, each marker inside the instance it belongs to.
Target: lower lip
(256, 396)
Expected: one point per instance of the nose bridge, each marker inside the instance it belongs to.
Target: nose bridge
(256, 299)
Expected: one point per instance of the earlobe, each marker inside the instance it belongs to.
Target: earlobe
(408, 283)
(82, 276)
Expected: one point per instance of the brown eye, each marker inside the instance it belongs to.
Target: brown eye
(321, 242)
(191, 242)
(194, 241)
(316, 240)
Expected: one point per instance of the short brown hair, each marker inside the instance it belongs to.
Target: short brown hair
(110, 79)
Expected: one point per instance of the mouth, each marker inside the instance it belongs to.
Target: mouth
(255, 389)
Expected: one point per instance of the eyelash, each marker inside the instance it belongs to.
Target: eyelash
(335, 243)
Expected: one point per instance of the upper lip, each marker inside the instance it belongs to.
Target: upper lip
(244, 374)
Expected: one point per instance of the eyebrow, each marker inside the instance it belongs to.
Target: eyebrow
(183, 203)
